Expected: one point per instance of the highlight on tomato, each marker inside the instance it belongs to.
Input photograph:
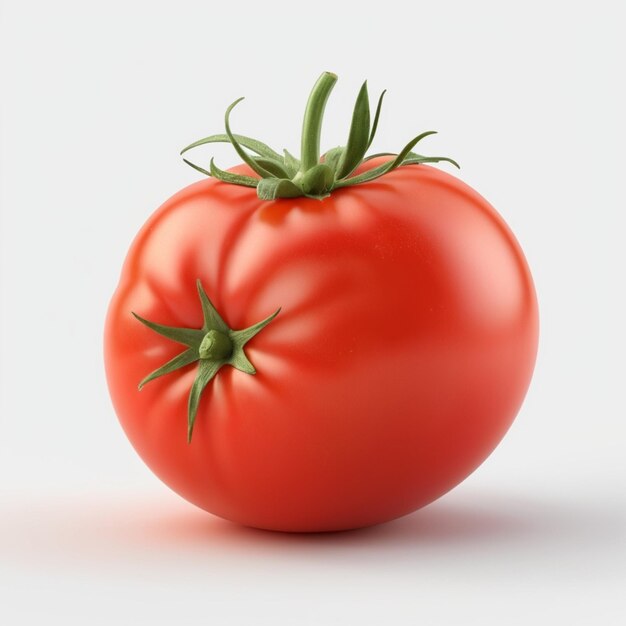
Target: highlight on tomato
(325, 342)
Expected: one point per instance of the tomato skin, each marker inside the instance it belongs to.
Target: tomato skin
(403, 351)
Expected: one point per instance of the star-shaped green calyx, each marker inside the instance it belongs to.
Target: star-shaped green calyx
(213, 346)
(313, 175)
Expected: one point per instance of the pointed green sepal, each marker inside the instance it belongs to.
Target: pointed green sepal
(206, 372)
(416, 159)
(187, 336)
(229, 177)
(409, 146)
(197, 168)
(241, 337)
(247, 142)
(182, 360)
(274, 167)
(332, 158)
(387, 167)
(212, 319)
(379, 107)
(359, 135)
(292, 165)
(318, 181)
(241, 362)
(272, 188)
(247, 159)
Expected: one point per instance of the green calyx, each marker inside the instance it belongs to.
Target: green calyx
(313, 176)
(212, 346)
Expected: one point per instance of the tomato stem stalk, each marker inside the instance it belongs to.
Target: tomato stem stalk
(312, 124)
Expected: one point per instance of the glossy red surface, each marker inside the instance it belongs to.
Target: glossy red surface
(404, 348)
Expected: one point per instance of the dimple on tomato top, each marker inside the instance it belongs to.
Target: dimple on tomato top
(321, 343)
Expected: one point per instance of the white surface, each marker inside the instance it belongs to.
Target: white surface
(97, 99)
(475, 557)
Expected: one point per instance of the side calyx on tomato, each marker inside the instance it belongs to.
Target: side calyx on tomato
(404, 347)
(212, 346)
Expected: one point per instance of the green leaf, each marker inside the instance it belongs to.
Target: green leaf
(206, 371)
(291, 163)
(241, 337)
(275, 167)
(369, 157)
(197, 167)
(413, 158)
(272, 188)
(418, 158)
(409, 146)
(187, 336)
(240, 361)
(365, 177)
(252, 144)
(333, 157)
(379, 106)
(359, 135)
(230, 177)
(318, 181)
(385, 168)
(212, 319)
(262, 172)
(183, 359)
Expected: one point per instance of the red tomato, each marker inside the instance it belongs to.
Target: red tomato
(403, 351)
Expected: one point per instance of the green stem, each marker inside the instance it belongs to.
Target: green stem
(312, 125)
(215, 345)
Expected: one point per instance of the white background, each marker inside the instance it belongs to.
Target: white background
(96, 101)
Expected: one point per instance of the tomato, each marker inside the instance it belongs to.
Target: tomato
(354, 346)
(402, 353)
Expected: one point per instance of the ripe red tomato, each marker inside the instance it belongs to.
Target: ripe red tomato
(402, 353)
